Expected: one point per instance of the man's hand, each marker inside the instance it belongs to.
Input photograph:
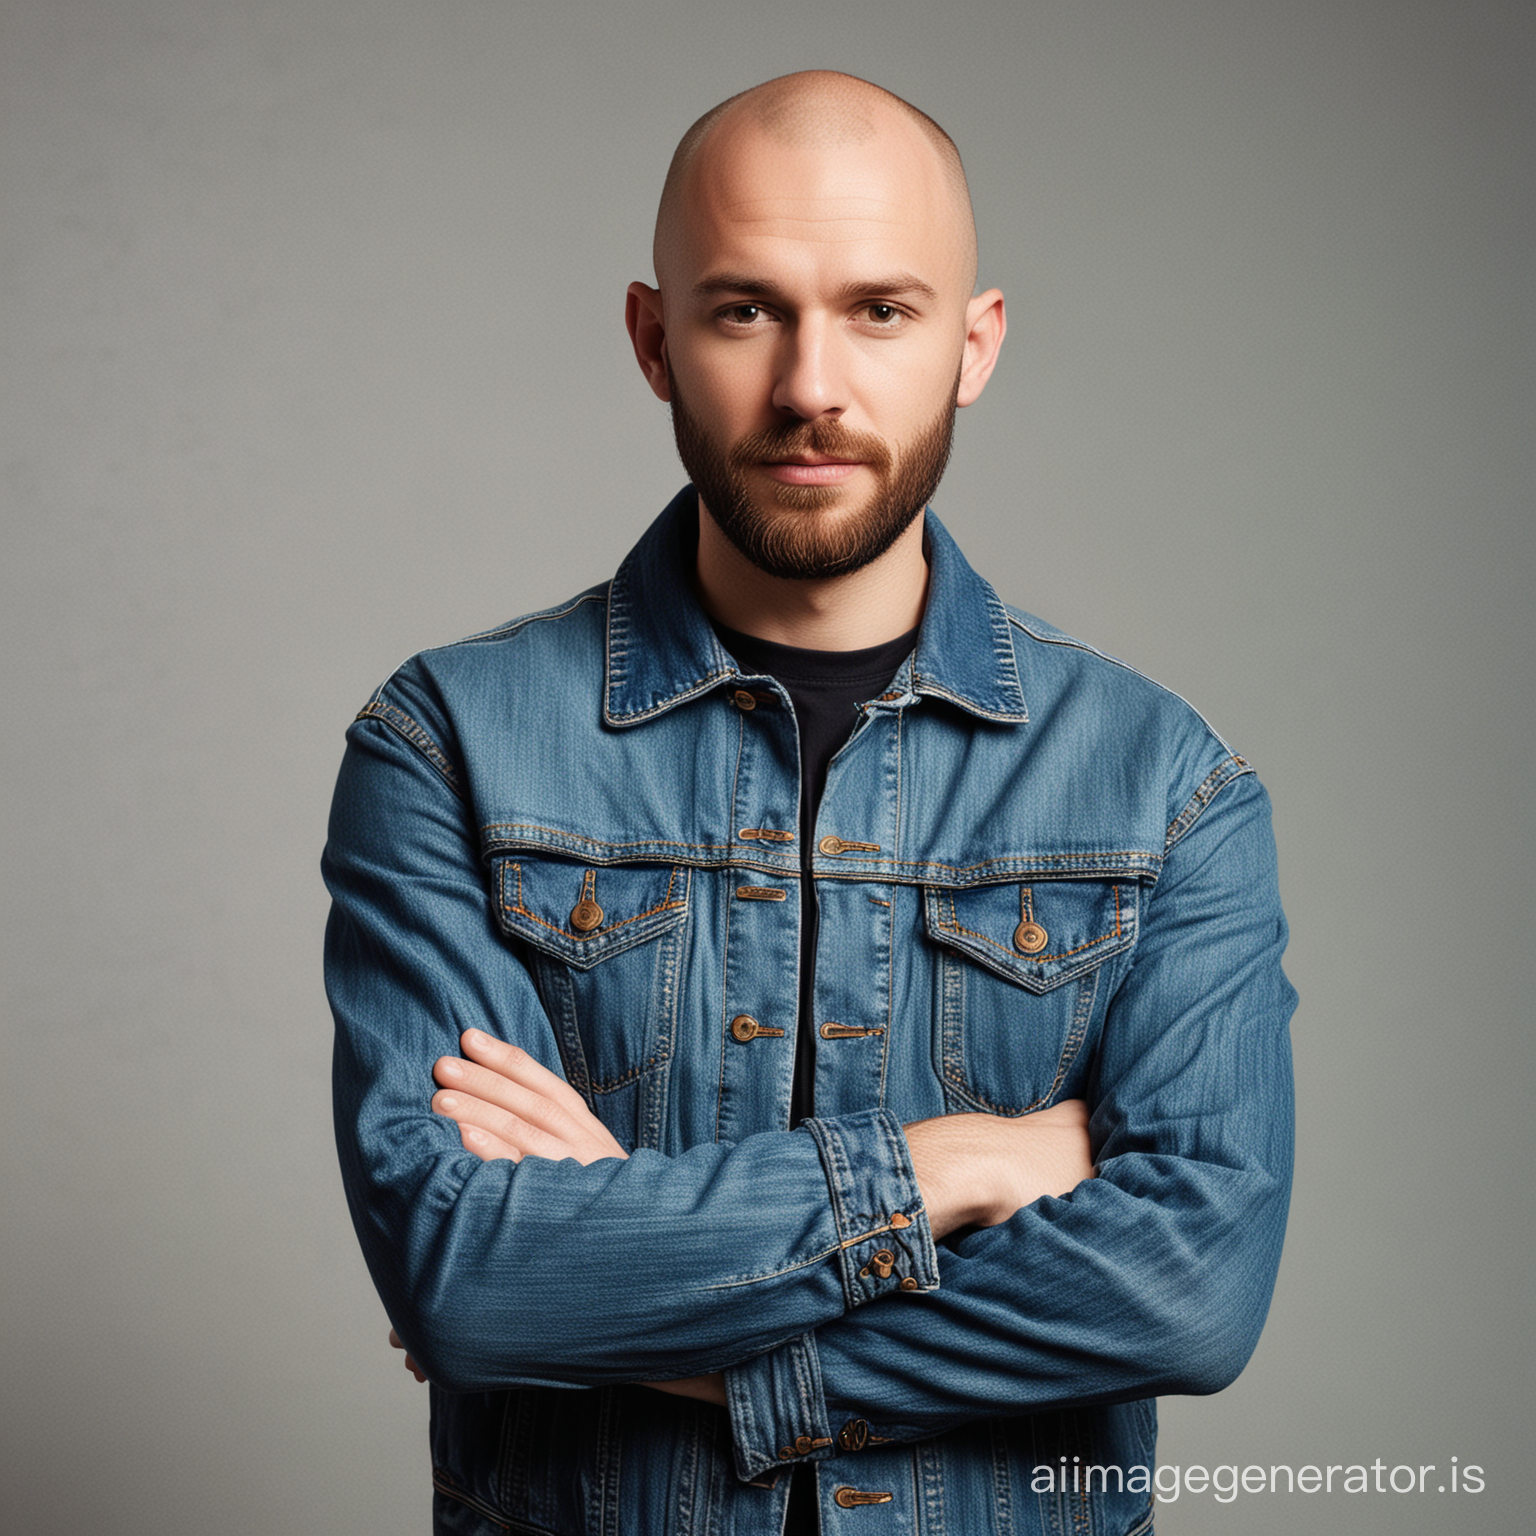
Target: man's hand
(508, 1106)
(396, 1342)
(976, 1170)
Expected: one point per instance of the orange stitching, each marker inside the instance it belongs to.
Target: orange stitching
(1041, 860)
(955, 926)
(1034, 860)
(665, 905)
(593, 842)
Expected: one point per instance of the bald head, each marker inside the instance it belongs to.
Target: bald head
(815, 111)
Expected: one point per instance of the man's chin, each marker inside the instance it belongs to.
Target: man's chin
(809, 498)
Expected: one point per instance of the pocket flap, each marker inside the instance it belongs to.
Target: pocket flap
(584, 914)
(1038, 935)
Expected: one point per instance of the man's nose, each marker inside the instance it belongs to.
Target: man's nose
(811, 381)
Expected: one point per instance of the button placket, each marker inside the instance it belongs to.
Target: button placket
(759, 890)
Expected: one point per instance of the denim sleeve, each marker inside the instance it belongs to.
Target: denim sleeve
(1153, 1277)
(506, 1274)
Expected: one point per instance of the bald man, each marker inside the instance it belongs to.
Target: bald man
(854, 1007)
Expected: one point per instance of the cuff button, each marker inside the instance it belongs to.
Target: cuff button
(853, 1436)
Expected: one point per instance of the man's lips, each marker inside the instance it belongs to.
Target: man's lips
(818, 471)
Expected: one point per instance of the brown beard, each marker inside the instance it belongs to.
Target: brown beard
(791, 540)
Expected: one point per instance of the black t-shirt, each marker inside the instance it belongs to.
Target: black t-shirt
(825, 688)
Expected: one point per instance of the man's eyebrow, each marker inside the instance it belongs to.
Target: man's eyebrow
(897, 285)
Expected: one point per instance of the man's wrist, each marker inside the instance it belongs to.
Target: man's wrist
(953, 1171)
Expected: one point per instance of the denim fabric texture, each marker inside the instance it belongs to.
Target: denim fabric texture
(1038, 876)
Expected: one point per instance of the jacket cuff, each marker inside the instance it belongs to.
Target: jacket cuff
(778, 1413)
(885, 1246)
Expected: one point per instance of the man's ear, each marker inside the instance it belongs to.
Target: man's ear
(648, 335)
(986, 323)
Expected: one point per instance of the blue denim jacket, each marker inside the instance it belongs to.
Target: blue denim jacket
(1038, 876)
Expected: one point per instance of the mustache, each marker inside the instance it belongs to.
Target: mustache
(822, 436)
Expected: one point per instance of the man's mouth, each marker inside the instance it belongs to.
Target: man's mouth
(812, 469)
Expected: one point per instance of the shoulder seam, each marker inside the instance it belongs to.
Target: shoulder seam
(1067, 642)
(598, 594)
(1230, 768)
(413, 732)
(595, 595)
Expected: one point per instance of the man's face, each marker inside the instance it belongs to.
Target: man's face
(793, 528)
(815, 319)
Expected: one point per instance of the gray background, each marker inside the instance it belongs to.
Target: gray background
(311, 355)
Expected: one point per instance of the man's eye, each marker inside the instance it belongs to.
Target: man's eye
(744, 314)
(883, 314)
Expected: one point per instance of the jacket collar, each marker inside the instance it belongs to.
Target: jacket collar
(663, 650)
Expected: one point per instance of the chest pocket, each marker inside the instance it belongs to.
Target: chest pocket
(605, 946)
(1022, 978)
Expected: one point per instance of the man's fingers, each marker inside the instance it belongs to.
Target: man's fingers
(519, 1137)
(486, 1147)
(533, 1095)
(410, 1364)
(527, 1104)
(519, 1067)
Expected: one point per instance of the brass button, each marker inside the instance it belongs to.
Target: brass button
(851, 1498)
(743, 700)
(744, 1027)
(830, 844)
(898, 1221)
(883, 1263)
(909, 1284)
(787, 1453)
(586, 915)
(802, 1445)
(853, 1436)
(1030, 938)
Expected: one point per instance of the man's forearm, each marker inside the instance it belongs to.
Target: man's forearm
(977, 1170)
(973, 1169)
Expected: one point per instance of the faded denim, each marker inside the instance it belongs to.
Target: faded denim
(1039, 876)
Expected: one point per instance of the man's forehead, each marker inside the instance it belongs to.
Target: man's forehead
(806, 217)
(840, 196)
(742, 163)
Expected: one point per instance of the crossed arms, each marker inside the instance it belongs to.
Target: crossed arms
(1152, 1277)
(974, 1170)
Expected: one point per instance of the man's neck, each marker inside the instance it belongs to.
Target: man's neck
(839, 613)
